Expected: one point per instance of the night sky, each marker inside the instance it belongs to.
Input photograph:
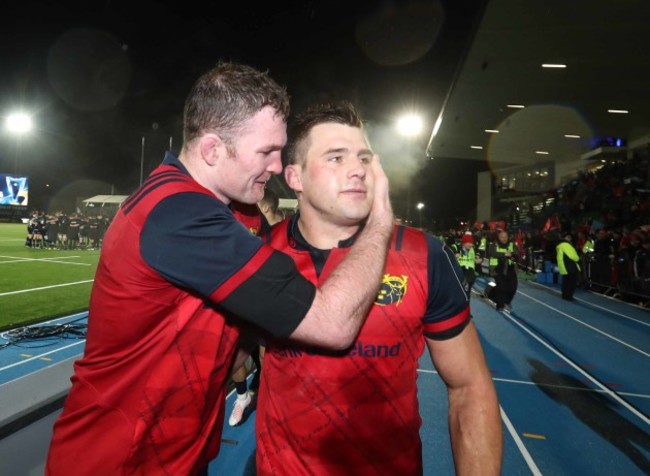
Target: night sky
(99, 76)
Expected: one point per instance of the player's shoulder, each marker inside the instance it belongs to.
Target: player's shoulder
(414, 240)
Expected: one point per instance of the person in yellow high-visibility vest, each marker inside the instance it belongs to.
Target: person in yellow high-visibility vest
(481, 251)
(503, 267)
(468, 259)
(567, 263)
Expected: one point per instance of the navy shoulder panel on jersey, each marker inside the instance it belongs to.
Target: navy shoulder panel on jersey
(194, 241)
(447, 300)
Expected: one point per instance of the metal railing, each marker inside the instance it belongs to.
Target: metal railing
(613, 277)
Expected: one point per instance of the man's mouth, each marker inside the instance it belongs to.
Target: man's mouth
(354, 192)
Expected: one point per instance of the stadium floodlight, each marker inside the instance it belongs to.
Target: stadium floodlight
(420, 206)
(410, 125)
(19, 123)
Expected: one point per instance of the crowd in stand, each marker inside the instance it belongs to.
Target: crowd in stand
(615, 197)
(65, 232)
(610, 262)
(607, 213)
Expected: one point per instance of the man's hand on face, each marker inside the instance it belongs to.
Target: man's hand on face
(381, 213)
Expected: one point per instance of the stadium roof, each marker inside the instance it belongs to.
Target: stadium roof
(603, 45)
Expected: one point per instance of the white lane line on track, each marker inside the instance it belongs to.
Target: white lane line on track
(511, 429)
(22, 258)
(520, 444)
(602, 308)
(62, 318)
(72, 318)
(42, 355)
(567, 387)
(606, 390)
(595, 329)
(563, 387)
(10, 293)
(15, 259)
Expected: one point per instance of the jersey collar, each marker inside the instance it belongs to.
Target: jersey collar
(294, 234)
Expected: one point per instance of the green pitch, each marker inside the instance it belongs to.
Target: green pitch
(37, 284)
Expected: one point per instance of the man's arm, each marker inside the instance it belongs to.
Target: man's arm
(474, 421)
(209, 252)
(342, 302)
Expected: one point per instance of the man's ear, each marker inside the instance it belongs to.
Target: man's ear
(212, 148)
(292, 177)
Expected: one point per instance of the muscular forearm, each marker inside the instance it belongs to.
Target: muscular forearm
(476, 432)
(342, 302)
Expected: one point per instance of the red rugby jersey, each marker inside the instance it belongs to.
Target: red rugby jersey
(148, 395)
(356, 412)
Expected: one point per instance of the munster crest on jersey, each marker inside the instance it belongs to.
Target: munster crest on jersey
(392, 291)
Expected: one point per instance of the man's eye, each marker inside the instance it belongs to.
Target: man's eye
(366, 159)
(335, 158)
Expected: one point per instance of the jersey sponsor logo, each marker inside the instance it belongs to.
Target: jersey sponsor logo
(359, 349)
(253, 230)
(373, 350)
(392, 291)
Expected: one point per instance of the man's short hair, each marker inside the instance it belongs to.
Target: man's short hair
(342, 112)
(223, 98)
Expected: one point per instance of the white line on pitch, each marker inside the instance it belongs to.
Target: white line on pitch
(587, 325)
(45, 287)
(15, 259)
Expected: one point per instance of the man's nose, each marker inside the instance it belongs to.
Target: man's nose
(275, 166)
(357, 168)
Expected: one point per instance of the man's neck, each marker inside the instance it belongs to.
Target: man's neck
(194, 168)
(322, 234)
